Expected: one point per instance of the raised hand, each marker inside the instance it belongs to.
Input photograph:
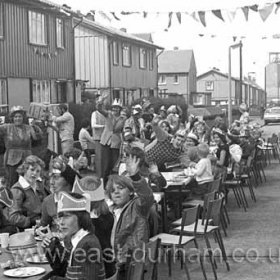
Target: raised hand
(132, 165)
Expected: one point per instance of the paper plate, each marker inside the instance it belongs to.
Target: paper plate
(23, 272)
(41, 261)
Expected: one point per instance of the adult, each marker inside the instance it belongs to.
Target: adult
(167, 148)
(173, 118)
(162, 114)
(62, 178)
(131, 211)
(28, 194)
(66, 125)
(98, 124)
(101, 217)
(244, 118)
(81, 257)
(136, 122)
(111, 136)
(202, 131)
(18, 138)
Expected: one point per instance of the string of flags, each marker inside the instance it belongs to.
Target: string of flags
(200, 16)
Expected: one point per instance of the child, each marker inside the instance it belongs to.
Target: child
(202, 171)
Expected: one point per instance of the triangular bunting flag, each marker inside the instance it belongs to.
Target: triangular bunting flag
(231, 15)
(201, 35)
(277, 7)
(179, 17)
(170, 19)
(218, 14)
(254, 7)
(193, 15)
(234, 38)
(103, 15)
(246, 12)
(114, 15)
(145, 14)
(201, 15)
(266, 11)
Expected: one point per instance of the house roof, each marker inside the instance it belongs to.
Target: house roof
(245, 80)
(175, 61)
(144, 36)
(119, 33)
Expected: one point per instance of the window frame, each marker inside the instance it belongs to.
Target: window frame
(116, 55)
(151, 60)
(176, 81)
(209, 85)
(143, 58)
(162, 79)
(62, 35)
(2, 21)
(40, 97)
(128, 47)
(4, 82)
(30, 30)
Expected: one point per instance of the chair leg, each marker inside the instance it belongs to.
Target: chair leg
(222, 247)
(251, 190)
(243, 195)
(211, 257)
(236, 197)
(226, 214)
(243, 203)
(200, 259)
(169, 260)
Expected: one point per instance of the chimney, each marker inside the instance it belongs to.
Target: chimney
(176, 48)
(90, 16)
(123, 29)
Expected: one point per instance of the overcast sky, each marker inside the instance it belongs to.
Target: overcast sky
(210, 43)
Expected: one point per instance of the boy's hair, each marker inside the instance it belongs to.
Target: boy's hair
(203, 150)
(138, 153)
(85, 123)
(119, 180)
(31, 160)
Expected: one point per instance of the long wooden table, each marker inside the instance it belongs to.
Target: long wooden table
(6, 256)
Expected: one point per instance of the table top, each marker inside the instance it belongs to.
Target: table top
(5, 256)
(175, 178)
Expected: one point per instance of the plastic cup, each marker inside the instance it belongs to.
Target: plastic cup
(4, 240)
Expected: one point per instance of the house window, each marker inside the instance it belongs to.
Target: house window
(116, 94)
(162, 79)
(126, 55)
(37, 28)
(115, 53)
(59, 33)
(1, 21)
(176, 79)
(209, 85)
(41, 91)
(143, 58)
(151, 60)
(3, 93)
(198, 99)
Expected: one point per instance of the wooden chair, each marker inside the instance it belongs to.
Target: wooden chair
(170, 242)
(213, 227)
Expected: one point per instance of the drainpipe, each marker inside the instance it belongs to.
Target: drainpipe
(110, 66)
(157, 68)
(74, 58)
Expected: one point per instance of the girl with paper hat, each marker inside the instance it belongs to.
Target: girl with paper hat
(101, 217)
(83, 258)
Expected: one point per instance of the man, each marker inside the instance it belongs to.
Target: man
(66, 125)
(167, 148)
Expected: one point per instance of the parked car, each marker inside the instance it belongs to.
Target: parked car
(272, 115)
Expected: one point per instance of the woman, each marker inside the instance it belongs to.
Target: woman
(101, 217)
(17, 137)
(62, 178)
(222, 152)
(202, 131)
(82, 259)
(130, 228)
(28, 194)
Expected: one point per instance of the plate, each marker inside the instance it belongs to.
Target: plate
(23, 272)
(41, 261)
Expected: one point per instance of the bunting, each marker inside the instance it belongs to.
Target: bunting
(201, 15)
(266, 11)
(246, 12)
(218, 14)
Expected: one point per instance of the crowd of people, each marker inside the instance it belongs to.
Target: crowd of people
(111, 209)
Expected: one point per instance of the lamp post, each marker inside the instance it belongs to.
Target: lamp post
(239, 45)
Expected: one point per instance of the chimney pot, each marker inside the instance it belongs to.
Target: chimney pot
(123, 29)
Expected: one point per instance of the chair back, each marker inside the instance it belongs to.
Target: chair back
(152, 259)
(207, 198)
(214, 186)
(189, 217)
(214, 212)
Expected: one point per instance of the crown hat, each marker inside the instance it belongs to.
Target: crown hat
(117, 103)
(16, 109)
(5, 197)
(96, 195)
(68, 203)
